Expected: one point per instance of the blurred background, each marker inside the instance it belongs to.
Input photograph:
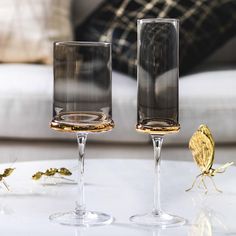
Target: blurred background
(207, 64)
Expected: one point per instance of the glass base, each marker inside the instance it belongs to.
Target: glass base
(161, 220)
(86, 219)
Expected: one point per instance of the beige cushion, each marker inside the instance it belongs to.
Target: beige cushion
(28, 29)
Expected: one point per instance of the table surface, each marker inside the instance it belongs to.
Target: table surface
(119, 187)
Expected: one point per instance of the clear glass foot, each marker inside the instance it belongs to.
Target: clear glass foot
(86, 219)
(161, 220)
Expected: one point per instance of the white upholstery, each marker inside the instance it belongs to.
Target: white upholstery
(26, 93)
(210, 98)
(26, 105)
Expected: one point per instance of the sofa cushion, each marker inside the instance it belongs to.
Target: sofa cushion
(26, 98)
(28, 29)
(26, 105)
(208, 98)
(204, 26)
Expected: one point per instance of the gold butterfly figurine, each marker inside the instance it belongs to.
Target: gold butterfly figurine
(203, 149)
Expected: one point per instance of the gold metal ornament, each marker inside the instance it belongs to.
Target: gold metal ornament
(202, 146)
(52, 172)
(6, 173)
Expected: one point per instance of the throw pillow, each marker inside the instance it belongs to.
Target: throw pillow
(29, 27)
(204, 26)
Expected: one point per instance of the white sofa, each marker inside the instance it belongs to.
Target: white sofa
(26, 105)
(206, 96)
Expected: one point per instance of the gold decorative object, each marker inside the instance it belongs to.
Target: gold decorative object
(203, 149)
(6, 173)
(51, 172)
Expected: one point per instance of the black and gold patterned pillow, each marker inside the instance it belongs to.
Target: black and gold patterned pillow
(204, 26)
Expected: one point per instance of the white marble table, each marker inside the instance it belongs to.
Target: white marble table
(122, 188)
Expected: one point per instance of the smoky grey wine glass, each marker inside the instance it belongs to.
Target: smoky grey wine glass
(82, 104)
(158, 102)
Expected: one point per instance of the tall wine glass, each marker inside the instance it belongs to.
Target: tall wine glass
(157, 74)
(82, 104)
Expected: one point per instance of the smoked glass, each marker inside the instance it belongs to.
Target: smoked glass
(82, 104)
(158, 111)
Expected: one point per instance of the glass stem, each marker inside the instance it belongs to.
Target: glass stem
(80, 203)
(157, 144)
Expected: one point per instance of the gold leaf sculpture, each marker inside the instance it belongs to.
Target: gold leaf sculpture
(6, 173)
(51, 172)
(202, 146)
